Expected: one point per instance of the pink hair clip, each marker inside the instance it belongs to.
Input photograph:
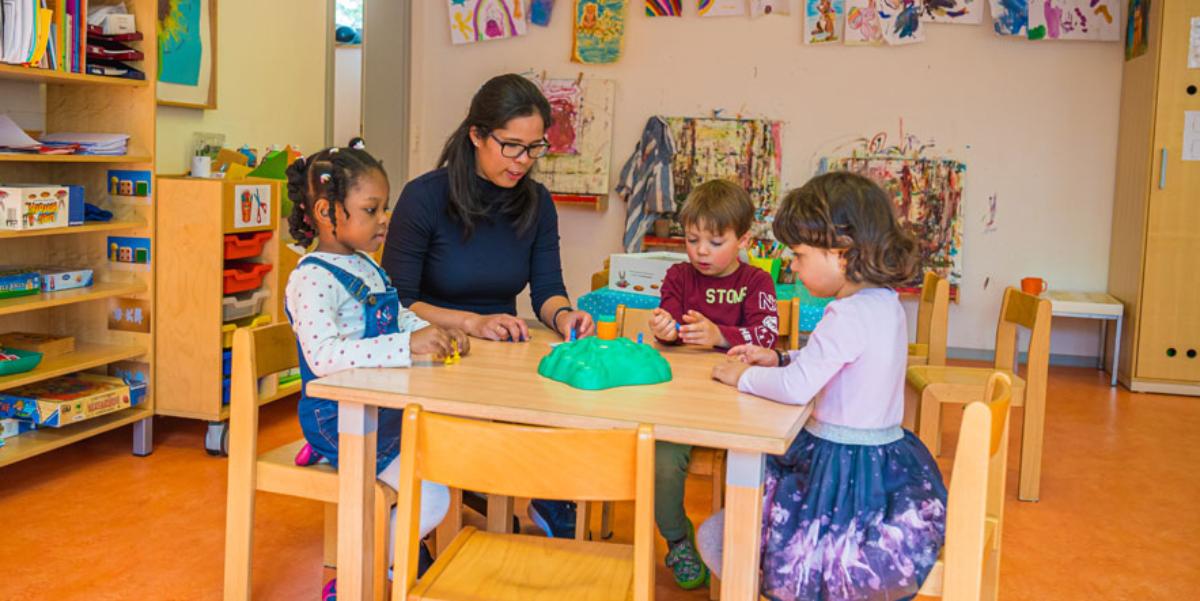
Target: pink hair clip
(325, 177)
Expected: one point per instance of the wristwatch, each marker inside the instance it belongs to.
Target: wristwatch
(554, 318)
(784, 358)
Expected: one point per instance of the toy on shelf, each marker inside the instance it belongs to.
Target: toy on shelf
(595, 364)
(19, 281)
(16, 361)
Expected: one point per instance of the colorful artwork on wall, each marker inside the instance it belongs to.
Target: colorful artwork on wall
(967, 12)
(823, 20)
(901, 21)
(1094, 20)
(586, 172)
(759, 8)
(540, 12)
(721, 8)
(863, 25)
(1137, 29)
(1010, 17)
(482, 20)
(746, 151)
(599, 29)
(565, 97)
(926, 189)
(664, 8)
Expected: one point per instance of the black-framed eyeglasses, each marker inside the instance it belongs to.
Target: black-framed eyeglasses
(514, 150)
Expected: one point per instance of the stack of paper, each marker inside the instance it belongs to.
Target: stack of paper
(49, 34)
(13, 138)
(90, 143)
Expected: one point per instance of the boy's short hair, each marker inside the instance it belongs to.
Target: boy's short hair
(718, 205)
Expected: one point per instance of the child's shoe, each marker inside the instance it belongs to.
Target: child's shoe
(329, 593)
(684, 561)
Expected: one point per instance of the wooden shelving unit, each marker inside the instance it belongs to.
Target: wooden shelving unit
(87, 103)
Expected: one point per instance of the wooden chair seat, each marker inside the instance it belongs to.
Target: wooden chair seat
(932, 587)
(960, 385)
(278, 473)
(484, 565)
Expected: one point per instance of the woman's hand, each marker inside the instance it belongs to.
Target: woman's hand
(580, 321)
(461, 338)
(430, 340)
(752, 354)
(663, 326)
(729, 372)
(497, 327)
(698, 329)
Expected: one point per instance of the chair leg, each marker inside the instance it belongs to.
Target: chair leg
(991, 576)
(718, 503)
(239, 544)
(448, 529)
(331, 535)
(930, 421)
(606, 516)
(383, 527)
(1032, 434)
(583, 520)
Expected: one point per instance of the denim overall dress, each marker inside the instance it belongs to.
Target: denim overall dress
(319, 417)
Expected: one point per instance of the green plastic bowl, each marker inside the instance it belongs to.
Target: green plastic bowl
(28, 360)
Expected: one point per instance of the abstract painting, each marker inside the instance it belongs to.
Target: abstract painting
(664, 8)
(863, 26)
(748, 152)
(823, 21)
(1094, 20)
(540, 12)
(968, 12)
(759, 8)
(565, 97)
(187, 63)
(1137, 29)
(1010, 17)
(927, 192)
(599, 29)
(722, 8)
(901, 21)
(585, 172)
(482, 20)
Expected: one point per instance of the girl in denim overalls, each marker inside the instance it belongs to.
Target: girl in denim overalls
(343, 308)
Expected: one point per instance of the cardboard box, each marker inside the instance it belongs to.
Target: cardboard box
(49, 346)
(75, 204)
(641, 273)
(64, 278)
(33, 207)
(119, 24)
(11, 427)
(64, 401)
(19, 281)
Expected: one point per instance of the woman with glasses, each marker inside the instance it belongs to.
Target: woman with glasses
(466, 238)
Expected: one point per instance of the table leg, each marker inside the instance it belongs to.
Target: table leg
(1116, 360)
(358, 427)
(499, 514)
(1103, 344)
(743, 526)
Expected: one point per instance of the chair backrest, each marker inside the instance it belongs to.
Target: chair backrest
(977, 489)
(524, 461)
(932, 316)
(793, 341)
(631, 322)
(600, 278)
(1032, 312)
(257, 352)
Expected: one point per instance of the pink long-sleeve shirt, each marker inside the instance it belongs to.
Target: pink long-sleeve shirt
(855, 361)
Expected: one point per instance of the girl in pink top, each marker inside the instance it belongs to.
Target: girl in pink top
(856, 508)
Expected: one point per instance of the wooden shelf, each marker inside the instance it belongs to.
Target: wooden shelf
(14, 72)
(33, 443)
(46, 300)
(16, 157)
(108, 226)
(85, 356)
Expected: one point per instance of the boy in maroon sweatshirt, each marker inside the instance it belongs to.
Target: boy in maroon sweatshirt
(712, 300)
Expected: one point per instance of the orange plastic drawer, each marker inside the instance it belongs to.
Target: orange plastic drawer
(241, 276)
(244, 246)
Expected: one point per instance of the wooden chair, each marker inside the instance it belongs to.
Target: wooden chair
(932, 316)
(704, 462)
(259, 352)
(525, 461)
(793, 325)
(936, 385)
(969, 566)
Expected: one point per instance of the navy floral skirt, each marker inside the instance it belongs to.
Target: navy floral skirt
(851, 521)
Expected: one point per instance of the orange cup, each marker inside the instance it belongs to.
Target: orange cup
(606, 330)
(1034, 286)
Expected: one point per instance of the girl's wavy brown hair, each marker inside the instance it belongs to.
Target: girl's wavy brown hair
(848, 212)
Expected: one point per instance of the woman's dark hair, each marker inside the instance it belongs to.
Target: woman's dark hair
(842, 210)
(501, 99)
(329, 174)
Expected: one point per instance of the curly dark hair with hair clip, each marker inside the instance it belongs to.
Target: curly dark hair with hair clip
(328, 174)
(846, 211)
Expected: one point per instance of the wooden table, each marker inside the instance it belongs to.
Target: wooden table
(1092, 305)
(499, 381)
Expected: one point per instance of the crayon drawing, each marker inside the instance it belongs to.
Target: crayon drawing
(721, 8)
(823, 21)
(599, 28)
(1010, 17)
(863, 26)
(565, 97)
(968, 12)
(664, 8)
(1094, 20)
(586, 171)
(482, 20)
(901, 21)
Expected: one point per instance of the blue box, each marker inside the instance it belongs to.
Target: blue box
(75, 205)
(64, 278)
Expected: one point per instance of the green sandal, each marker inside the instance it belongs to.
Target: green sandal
(684, 561)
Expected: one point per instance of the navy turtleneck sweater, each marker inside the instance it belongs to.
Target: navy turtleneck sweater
(430, 261)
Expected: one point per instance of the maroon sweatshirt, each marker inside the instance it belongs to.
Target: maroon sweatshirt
(742, 304)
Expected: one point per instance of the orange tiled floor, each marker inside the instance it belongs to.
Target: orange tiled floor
(1118, 517)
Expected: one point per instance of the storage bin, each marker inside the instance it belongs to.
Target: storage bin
(241, 276)
(26, 361)
(227, 362)
(243, 304)
(249, 322)
(245, 246)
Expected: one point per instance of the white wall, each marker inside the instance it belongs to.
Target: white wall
(1035, 122)
(271, 65)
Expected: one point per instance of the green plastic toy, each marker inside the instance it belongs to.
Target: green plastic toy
(595, 364)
